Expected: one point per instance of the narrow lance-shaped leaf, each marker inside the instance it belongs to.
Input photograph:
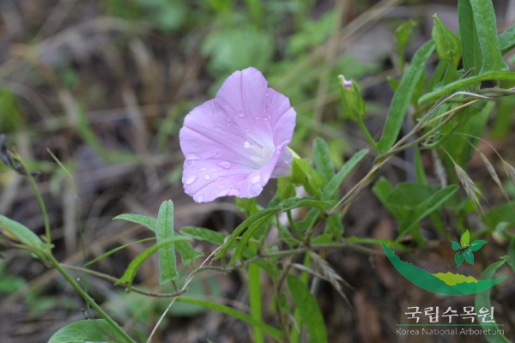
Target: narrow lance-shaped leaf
(331, 188)
(165, 231)
(21, 232)
(469, 38)
(425, 208)
(130, 272)
(276, 333)
(403, 95)
(484, 18)
(323, 160)
(188, 254)
(507, 39)
(309, 310)
(483, 302)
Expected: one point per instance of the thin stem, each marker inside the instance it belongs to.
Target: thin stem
(113, 279)
(89, 300)
(367, 134)
(293, 224)
(256, 300)
(41, 203)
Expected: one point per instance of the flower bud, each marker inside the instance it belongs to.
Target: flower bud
(352, 102)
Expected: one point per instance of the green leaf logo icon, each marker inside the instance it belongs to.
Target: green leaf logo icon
(464, 250)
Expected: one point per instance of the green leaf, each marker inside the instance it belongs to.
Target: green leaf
(470, 122)
(309, 311)
(484, 18)
(500, 75)
(21, 232)
(91, 330)
(483, 301)
(165, 231)
(511, 254)
(130, 272)
(310, 219)
(468, 256)
(402, 96)
(285, 189)
(425, 208)
(335, 226)
(472, 57)
(188, 254)
(465, 239)
(458, 258)
(476, 245)
(305, 175)
(382, 188)
(330, 191)
(455, 246)
(500, 214)
(507, 39)
(247, 205)
(323, 161)
(253, 223)
(275, 333)
(202, 234)
(110, 252)
(402, 35)
(406, 197)
(447, 45)
(146, 221)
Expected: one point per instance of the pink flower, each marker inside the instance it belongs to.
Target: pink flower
(236, 142)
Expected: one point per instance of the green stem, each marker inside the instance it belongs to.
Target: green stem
(255, 300)
(41, 203)
(365, 131)
(498, 75)
(295, 335)
(89, 300)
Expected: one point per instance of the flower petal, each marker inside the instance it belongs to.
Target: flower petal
(234, 143)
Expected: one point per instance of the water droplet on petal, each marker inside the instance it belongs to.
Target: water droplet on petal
(191, 179)
(199, 198)
(203, 169)
(230, 122)
(247, 130)
(255, 179)
(257, 117)
(241, 114)
(218, 153)
(190, 163)
(190, 157)
(207, 177)
(225, 165)
(266, 118)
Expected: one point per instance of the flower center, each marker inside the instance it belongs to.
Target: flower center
(258, 154)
